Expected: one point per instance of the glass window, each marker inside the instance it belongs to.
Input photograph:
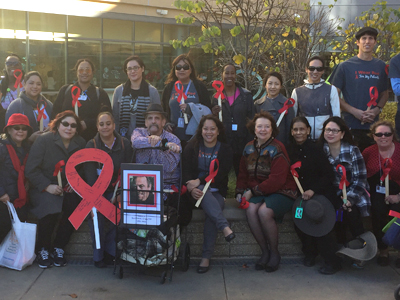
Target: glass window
(147, 32)
(172, 32)
(151, 56)
(203, 64)
(84, 27)
(46, 26)
(117, 29)
(114, 55)
(12, 19)
(83, 49)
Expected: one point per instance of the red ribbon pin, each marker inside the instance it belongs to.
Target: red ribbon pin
(288, 104)
(219, 86)
(343, 179)
(18, 78)
(212, 173)
(387, 165)
(92, 196)
(180, 91)
(387, 69)
(75, 96)
(373, 94)
(294, 167)
(41, 113)
(58, 167)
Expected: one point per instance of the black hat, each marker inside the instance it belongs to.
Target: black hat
(155, 108)
(366, 30)
(363, 248)
(318, 216)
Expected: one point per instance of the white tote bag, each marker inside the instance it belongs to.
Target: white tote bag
(17, 250)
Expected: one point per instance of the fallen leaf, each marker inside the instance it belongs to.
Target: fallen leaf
(73, 296)
(245, 266)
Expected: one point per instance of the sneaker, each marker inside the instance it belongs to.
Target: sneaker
(43, 259)
(58, 257)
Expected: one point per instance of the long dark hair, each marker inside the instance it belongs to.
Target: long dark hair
(61, 116)
(6, 81)
(198, 137)
(343, 127)
(185, 57)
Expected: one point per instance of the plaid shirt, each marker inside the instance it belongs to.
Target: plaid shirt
(350, 157)
(168, 159)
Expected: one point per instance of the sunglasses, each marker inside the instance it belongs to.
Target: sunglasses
(381, 134)
(12, 63)
(179, 67)
(66, 124)
(18, 128)
(87, 70)
(312, 69)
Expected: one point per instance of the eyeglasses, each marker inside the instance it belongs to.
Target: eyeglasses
(66, 124)
(135, 68)
(18, 128)
(87, 70)
(330, 130)
(312, 69)
(179, 67)
(13, 63)
(381, 134)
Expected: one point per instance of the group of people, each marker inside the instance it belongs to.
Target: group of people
(40, 136)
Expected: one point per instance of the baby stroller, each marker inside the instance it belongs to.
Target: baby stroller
(149, 235)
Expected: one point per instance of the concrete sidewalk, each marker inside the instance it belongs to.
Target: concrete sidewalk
(223, 281)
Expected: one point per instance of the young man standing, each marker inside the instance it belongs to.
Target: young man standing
(360, 78)
(394, 75)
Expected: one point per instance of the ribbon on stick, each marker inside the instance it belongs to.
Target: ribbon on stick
(181, 97)
(387, 166)
(219, 87)
(57, 172)
(373, 95)
(75, 93)
(41, 115)
(284, 110)
(18, 80)
(210, 178)
(296, 175)
(343, 181)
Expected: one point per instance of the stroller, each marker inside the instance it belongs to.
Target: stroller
(148, 235)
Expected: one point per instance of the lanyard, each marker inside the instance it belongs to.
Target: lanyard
(188, 86)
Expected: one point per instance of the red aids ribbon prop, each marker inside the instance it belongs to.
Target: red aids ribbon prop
(288, 104)
(373, 94)
(294, 167)
(41, 113)
(92, 196)
(387, 165)
(180, 91)
(219, 86)
(343, 180)
(58, 167)
(18, 78)
(75, 96)
(395, 214)
(244, 204)
(212, 173)
(387, 69)
(183, 189)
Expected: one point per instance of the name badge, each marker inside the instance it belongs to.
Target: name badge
(234, 127)
(181, 123)
(82, 97)
(299, 213)
(380, 189)
(98, 172)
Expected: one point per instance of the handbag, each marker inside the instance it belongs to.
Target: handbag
(17, 251)
(392, 235)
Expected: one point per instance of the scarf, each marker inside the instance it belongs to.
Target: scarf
(21, 200)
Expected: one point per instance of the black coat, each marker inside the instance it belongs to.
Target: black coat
(190, 166)
(46, 152)
(121, 152)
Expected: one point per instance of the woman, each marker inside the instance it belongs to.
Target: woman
(31, 102)
(273, 102)
(8, 90)
(316, 100)
(120, 150)
(14, 150)
(207, 145)
(196, 92)
(316, 177)
(237, 110)
(47, 197)
(338, 146)
(91, 98)
(131, 99)
(265, 181)
(387, 146)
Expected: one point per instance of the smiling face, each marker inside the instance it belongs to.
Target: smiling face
(12, 63)
(229, 76)
(263, 130)
(142, 185)
(332, 133)
(273, 86)
(67, 128)
(155, 123)
(180, 72)
(33, 87)
(210, 133)
(134, 71)
(84, 73)
(383, 142)
(366, 44)
(315, 71)
(18, 133)
(300, 132)
(105, 126)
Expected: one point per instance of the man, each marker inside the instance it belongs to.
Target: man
(316, 100)
(394, 75)
(142, 194)
(355, 78)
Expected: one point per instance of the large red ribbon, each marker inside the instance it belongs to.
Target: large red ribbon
(288, 104)
(212, 173)
(75, 96)
(41, 113)
(244, 204)
(58, 167)
(343, 179)
(18, 78)
(294, 167)
(373, 94)
(180, 91)
(387, 165)
(387, 69)
(92, 196)
(219, 86)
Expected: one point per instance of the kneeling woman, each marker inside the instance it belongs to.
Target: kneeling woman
(120, 151)
(265, 181)
(14, 148)
(208, 144)
(47, 197)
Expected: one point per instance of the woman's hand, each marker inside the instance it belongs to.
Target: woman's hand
(248, 194)
(307, 195)
(5, 198)
(183, 107)
(347, 205)
(196, 193)
(191, 184)
(215, 110)
(393, 199)
(34, 136)
(54, 189)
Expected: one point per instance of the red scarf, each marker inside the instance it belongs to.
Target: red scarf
(21, 200)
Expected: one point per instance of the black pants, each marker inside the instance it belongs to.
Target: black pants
(47, 225)
(236, 162)
(5, 220)
(352, 221)
(361, 138)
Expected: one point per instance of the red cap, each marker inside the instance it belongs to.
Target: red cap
(18, 119)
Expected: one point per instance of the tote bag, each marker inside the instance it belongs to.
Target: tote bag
(17, 250)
